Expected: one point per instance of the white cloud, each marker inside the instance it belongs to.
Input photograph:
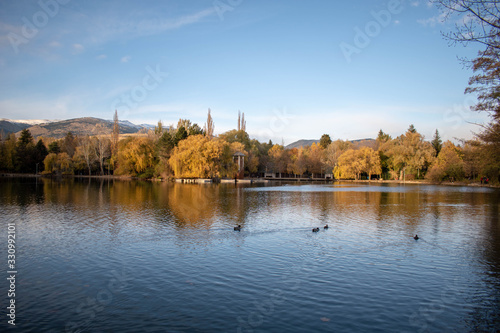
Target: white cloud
(55, 44)
(104, 29)
(101, 57)
(78, 48)
(433, 21)
(125, 59)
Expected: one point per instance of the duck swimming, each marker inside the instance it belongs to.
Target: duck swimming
(326, 226)
(238, 228)
(315, 229)
(416, 237)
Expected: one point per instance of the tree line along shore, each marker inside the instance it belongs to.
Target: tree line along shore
(188, 151)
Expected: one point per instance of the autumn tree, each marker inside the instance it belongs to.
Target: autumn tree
(115, 134)
(315, 159)
(350, 165)
(278, 159)
(8, 153)
(85, 151)
(298, 161)
(209, 126)
(448, 164)
(472, 151)
(199, 157)
(480, 23)
(242, 124)
(371, 162)
(101, 145)
(354, 162)
(136, 156)
(408, 153)
(237, 136)
(60, 164)
(334, 151)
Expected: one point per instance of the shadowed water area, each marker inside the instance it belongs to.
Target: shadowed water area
(126, 256)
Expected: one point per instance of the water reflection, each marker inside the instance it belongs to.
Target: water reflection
(178, 245)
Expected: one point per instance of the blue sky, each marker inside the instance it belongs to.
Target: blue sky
(296, 69)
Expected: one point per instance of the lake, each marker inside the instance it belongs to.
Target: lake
(130, 256)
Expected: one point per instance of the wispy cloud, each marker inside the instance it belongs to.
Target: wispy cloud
(105, 29)
(77, 48)
(434, 20)
(101, 57)
(55, 44)
(125, 59)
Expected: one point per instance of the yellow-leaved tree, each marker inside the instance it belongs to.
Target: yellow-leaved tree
(199, 157)
(136, 156)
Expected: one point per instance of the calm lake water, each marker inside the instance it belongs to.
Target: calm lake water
(112, 256)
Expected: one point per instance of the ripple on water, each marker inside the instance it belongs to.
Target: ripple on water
(185, 271)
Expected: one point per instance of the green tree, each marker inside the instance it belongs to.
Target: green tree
(325, 141)
(25, 162)
(54, 148)
(40, 152)
(437, 144)
(180, 135)
(383, 137)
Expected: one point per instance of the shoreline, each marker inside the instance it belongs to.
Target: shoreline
(254, 180)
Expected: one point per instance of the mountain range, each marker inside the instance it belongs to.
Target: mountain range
(357, 143)
(59, 128)
(86, 125)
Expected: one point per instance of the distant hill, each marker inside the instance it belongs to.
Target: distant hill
(77, 126)
(357, 143)
(301, 143)
(9, 126)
